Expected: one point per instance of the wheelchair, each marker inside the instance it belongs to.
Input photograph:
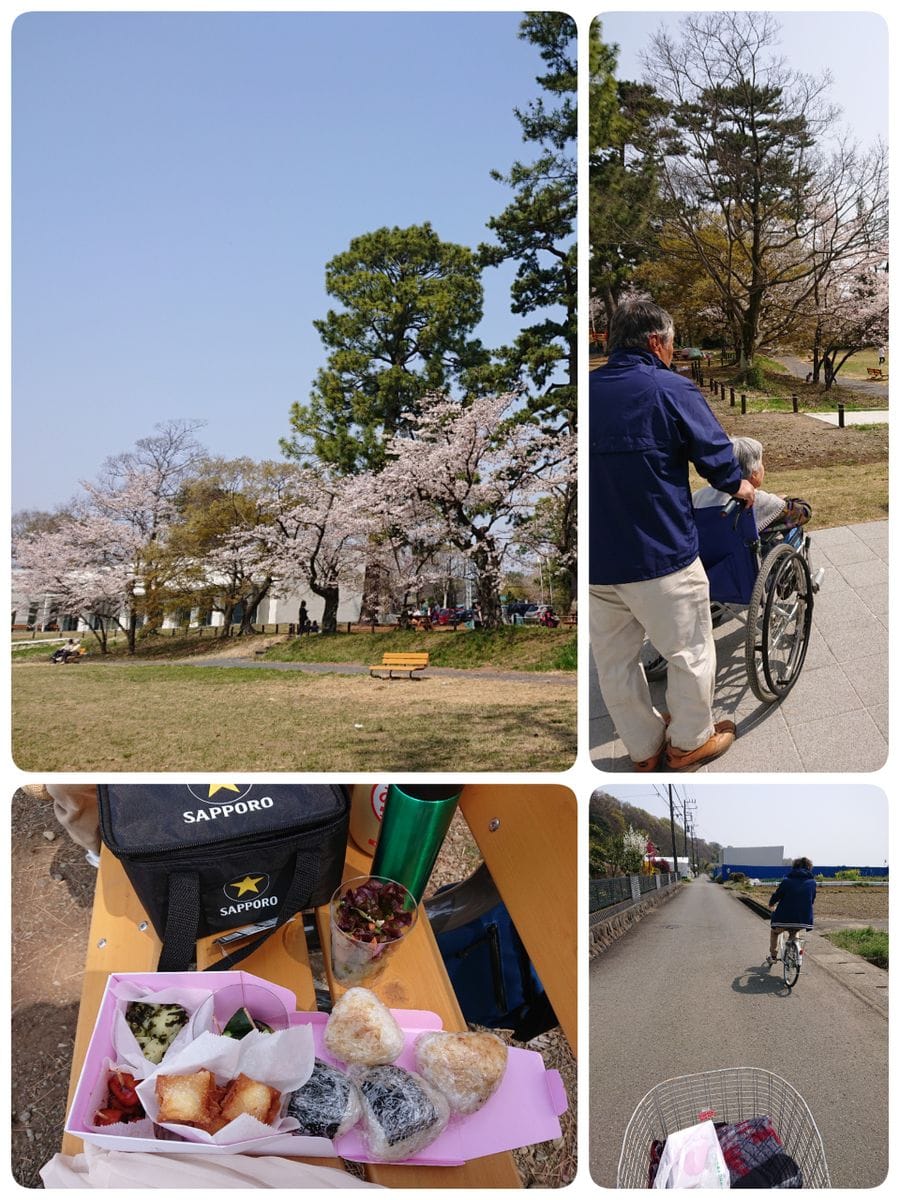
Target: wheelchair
(766, 582)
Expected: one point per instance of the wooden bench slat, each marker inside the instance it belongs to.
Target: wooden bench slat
(395, 661)
(416, 978)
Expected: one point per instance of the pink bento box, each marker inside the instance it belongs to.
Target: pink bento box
(524, 1110)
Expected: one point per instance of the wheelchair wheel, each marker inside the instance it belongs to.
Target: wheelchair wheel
(779, 621)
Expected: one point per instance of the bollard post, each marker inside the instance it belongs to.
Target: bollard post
(732, 396)
(743, 402)
(794, 402)
(840, 416)
(699, 377)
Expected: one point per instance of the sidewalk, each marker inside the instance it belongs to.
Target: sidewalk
(836, 717)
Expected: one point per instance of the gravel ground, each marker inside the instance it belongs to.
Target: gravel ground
(53, 887)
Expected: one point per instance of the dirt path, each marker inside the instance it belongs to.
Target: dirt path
(53, 889)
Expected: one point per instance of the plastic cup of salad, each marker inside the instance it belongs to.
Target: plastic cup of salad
(370, 918)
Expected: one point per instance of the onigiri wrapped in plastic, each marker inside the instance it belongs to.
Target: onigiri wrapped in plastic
(401, 1112)
(466, 1067)
(362, 1031)
(328, 1103)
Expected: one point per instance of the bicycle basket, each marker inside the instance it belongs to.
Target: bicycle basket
(732, 1094)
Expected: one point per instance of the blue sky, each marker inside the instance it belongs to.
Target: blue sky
(181, 180)
(833, 824)
(853, 46)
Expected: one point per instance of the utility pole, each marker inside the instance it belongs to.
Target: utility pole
(672, 826)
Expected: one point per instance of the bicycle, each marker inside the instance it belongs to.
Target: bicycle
(790, 951)
(730, 1095)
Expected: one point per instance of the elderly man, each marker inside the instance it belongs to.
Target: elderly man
(647, 424)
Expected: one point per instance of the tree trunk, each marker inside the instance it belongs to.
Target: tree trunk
(487, 586)
(331, 595)
(227, 618)
(132, 631)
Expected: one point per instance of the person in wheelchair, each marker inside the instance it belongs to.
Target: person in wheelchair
(776, 516)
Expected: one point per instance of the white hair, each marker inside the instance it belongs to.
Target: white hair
(749, 454)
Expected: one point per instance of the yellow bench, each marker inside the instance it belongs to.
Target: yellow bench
(399, 662)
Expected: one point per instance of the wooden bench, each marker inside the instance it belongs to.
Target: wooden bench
(405, 663)
(876, 373)
(527, 836)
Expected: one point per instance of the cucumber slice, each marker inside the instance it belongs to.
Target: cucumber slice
(241, 1023)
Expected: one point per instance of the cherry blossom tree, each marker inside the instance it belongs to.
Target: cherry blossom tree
(87, 567)
(316, 532)
(111, 559)
(853, 315)
(467, 476)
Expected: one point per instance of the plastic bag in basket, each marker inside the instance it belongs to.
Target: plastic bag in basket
(692, 1158)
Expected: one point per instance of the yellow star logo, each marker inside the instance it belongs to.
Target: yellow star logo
(247, 884)
(222, 787)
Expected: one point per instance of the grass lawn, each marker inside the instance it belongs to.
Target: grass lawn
(846, 495)
(512, 648)
(869, 943)
(124, 717)
(781, 385)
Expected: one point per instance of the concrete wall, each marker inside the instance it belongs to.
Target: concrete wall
(613, 926)
(758, 872)
(757, 856)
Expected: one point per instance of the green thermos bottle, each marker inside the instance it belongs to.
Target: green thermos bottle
(413, 827)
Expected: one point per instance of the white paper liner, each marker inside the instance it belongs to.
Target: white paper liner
(196, 1002)
(283, 1060)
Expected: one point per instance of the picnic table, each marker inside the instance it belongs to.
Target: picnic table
(527, 836)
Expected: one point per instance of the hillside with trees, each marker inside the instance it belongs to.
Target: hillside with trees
(610, 823)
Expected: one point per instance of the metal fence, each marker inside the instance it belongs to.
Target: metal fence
(617, 888)
(605, 892)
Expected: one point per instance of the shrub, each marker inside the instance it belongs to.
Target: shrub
(850, 873)
(737, 877)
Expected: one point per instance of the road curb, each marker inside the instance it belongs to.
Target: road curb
(877, 1005)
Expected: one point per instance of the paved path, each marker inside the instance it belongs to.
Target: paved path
(319, 668)
(836, 716)
(873, 416)
(686, 990)
(801, 368)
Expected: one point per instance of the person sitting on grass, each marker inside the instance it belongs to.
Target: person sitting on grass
(773, 513)
(792, 902)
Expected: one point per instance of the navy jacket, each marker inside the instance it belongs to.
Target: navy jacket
(647, 424)
(794, 897)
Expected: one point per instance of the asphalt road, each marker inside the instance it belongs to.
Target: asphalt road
(686, 990)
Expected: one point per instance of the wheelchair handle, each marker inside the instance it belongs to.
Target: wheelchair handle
(732, 506)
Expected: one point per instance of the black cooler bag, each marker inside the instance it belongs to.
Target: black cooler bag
(204, 858)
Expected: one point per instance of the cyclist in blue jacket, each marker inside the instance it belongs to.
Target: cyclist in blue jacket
(792, 902)
(648, 425)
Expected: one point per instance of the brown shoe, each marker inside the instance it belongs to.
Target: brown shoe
(722, 738)
(652, 763)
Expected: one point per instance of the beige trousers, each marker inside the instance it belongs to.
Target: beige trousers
(673, 612)
(75, 807)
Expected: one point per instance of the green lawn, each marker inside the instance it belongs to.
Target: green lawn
(869, 943)
(160, 717)
(512, 648)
